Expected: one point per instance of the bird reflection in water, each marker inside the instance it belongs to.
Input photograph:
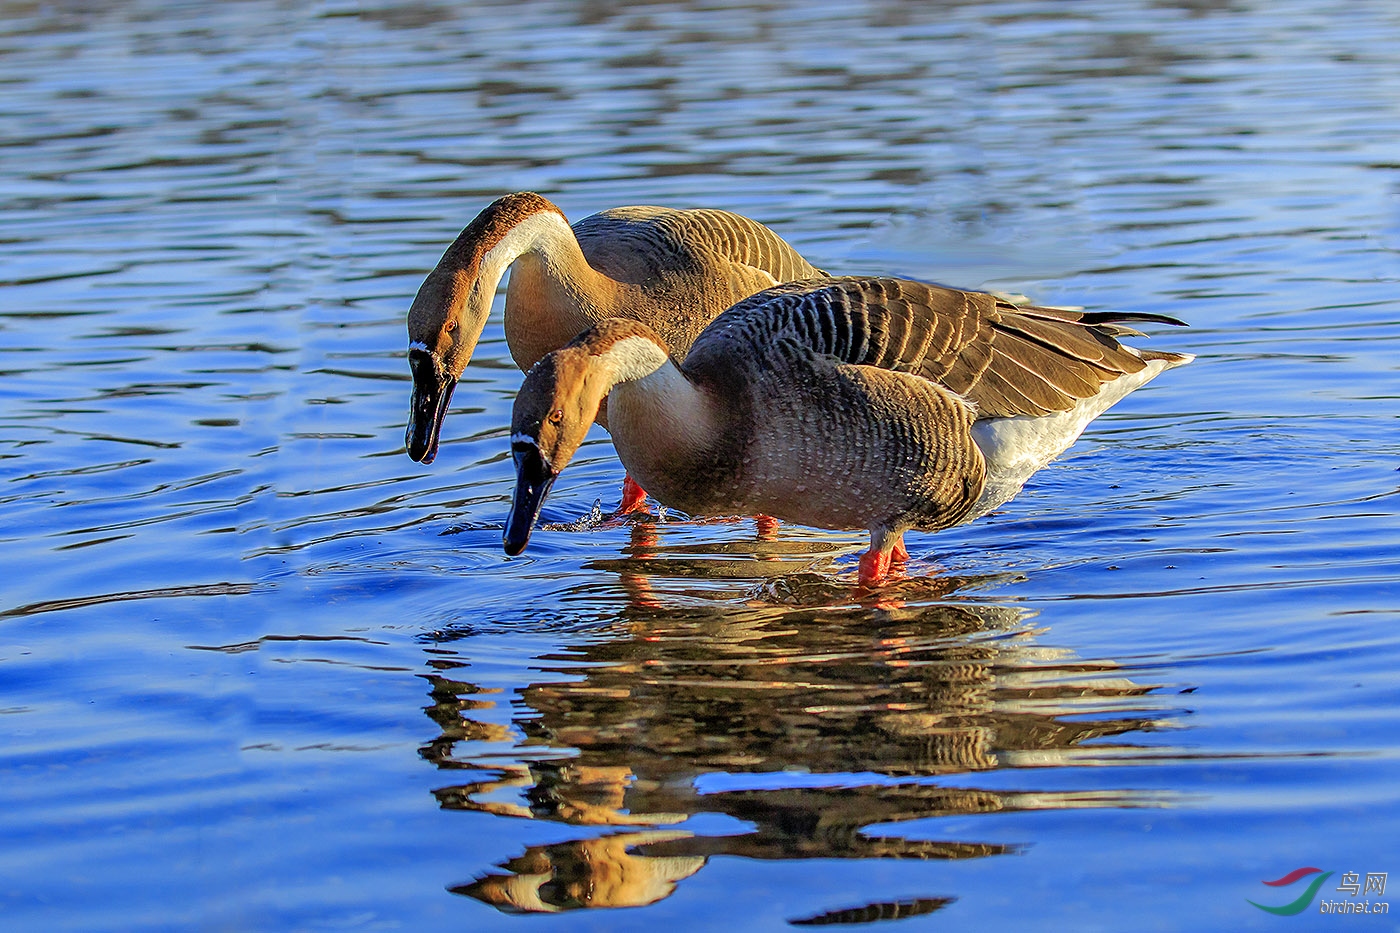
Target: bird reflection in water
(802, 723)
(602, 872)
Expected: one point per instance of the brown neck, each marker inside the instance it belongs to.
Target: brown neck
(554, 295)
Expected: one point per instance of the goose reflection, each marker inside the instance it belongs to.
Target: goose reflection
(792, 728)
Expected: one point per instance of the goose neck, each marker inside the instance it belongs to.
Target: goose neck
(554, 293)
(659, 419)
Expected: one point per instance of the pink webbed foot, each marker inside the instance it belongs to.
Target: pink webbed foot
(885, 549)
(767, 527)
(874, 567)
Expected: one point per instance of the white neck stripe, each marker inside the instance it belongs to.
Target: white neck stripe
(538, 228)
(634, 357)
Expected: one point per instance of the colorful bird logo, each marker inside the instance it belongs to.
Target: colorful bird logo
(1304, 899)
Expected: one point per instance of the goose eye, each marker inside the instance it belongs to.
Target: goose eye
(556, 416)
(450, 327)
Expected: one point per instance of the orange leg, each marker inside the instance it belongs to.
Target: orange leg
(900, 552)
(767, 527)
(634, 497)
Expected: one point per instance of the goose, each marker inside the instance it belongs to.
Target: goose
(845, 403)
(674, 270)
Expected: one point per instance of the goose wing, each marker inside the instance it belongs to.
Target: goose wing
(1006, 360)
(646, 244)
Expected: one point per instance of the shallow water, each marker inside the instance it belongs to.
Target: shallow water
(260, 671)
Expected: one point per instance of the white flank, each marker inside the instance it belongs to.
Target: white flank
(1016, 447)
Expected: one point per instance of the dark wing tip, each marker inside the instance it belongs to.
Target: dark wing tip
(1091, 318)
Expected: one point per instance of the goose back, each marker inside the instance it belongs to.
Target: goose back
(1004, 359)
(676, 270)
(644, 244)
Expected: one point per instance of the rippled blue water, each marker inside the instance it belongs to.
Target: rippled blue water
(260, 671)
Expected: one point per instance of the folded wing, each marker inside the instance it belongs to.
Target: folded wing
(1007, 360)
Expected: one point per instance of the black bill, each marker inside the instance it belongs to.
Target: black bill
(432, 391)
(533, 478)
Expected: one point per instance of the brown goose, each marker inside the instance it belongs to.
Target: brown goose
(674, 270)
(845, 403)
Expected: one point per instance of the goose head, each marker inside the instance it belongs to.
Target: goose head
(558, 402)
(553, 411)
(449, 312)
